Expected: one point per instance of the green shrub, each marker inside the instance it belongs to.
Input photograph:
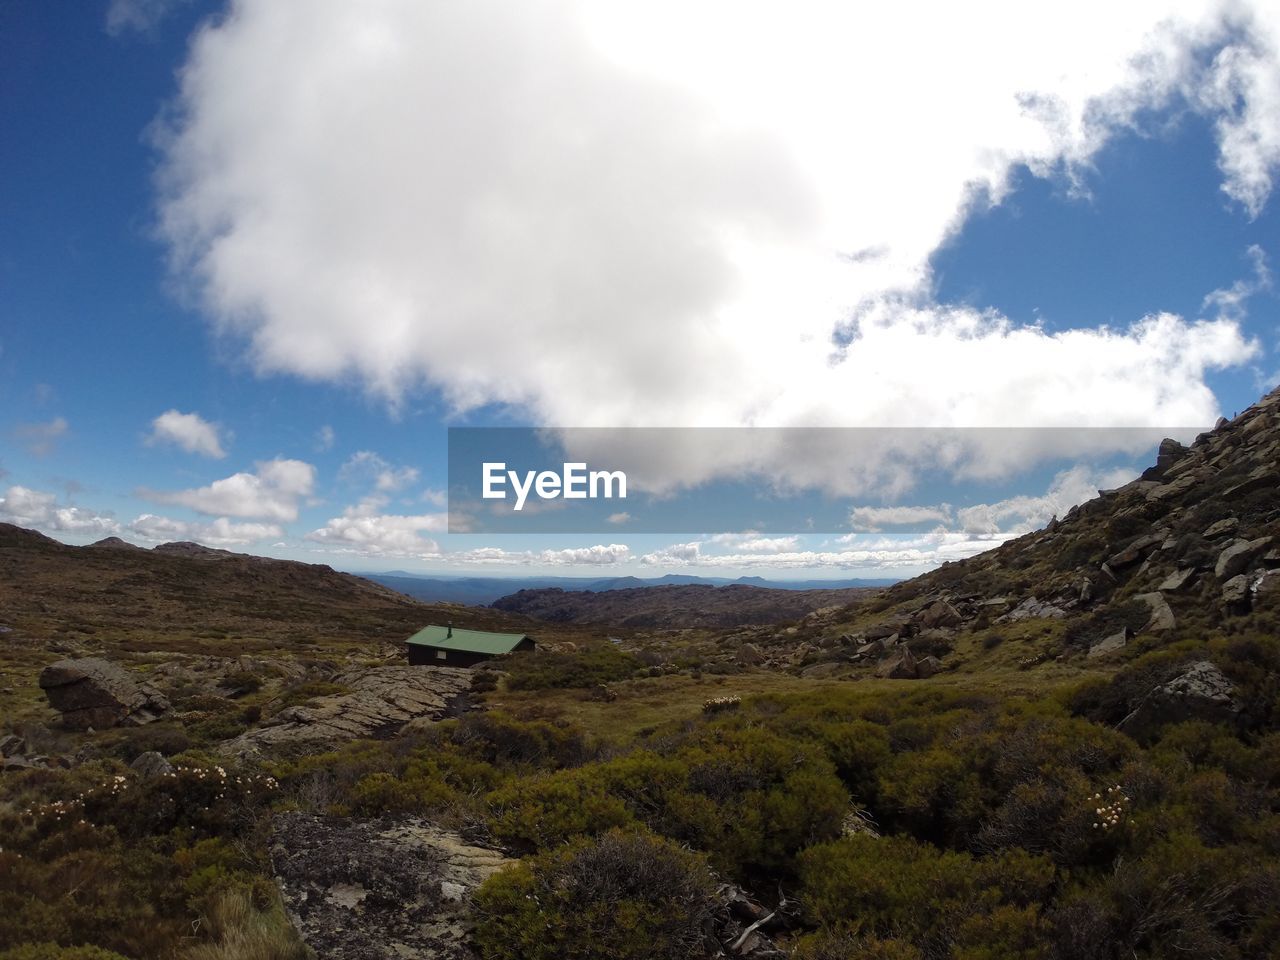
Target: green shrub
(588, 667)
(626, 895)
(51, 951)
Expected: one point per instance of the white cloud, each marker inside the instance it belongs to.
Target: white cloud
(594, 556)
(619, 518)
(635, 224)
(271, 492)
(386, 478)
(221, 532)
(190, 431)
(138, 16)
(41, 438)
(363, 529)
(1230, 301)
(325, 438)
(42, 511)
(1022, 514)
(874, 519)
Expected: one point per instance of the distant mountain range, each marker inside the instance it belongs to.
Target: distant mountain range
(482, 591)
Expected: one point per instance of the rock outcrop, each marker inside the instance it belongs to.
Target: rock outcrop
(1200, 692)
(378, 890)
(380, 701)
(97, 693)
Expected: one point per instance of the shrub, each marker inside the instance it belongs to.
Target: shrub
(238, 930)
(627, 895)
(51, 951)
(588, 667)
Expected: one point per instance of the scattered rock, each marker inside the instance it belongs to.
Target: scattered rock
(378, 890)
(1032, 609)
(1161, 618)
(1111, 644)
(151, 765)
(96, 693)
(1221, 528)
(886, 629)
(1267, 588)
(1239, 556)
(928, 667)
(901, 666)
(1201, 692)
(1177, 581)
(12, 745)
(603, 693)
(940, 614)
(749, 655)
(1235, 594)
(1136, 550)
(821, 671)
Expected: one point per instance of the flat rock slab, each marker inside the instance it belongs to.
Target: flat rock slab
(89, 692)
(380, 701)
(378, 889)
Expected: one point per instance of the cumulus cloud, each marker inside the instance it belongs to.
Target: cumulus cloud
(190, 431)
(618, 518)
(41, 438)
(271, 492)
(635, 224)
(365, 465)
(42, 511)
(221, 532)
(875, 519)
(363, 528)
(1018, 515)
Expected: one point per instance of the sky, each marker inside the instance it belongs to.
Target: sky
(257, 258)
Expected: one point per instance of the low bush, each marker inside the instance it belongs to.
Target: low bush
(626, 895)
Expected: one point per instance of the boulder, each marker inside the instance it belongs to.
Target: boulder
(12, 745)
(1161, 614)
(97, 693)
(151, 765)
(1266, 590)
(1200, 692)
(1111, 644)
(1239, 556)
(885, 629)
(1033, 609)
(1222, 528)
(901, 666)
(940, 614)
(928, 667)
(749, 655)
(1235, 594)
(1136, 550)
(1177, 581)
(378, 890)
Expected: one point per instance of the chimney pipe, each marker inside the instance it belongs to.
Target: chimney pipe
(450, 633)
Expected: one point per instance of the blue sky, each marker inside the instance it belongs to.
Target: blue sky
(346, 230)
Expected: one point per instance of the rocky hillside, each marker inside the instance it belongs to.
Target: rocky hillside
(1190, 547)
(683, 606)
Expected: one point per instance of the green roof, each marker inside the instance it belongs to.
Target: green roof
(472, 641)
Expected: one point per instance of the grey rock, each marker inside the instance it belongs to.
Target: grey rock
(928, 667)
(1161, 614)
(1221, 528)
(887, 628)
(1200, 692)
(1112, 644)
(381, 700)
(378, 890)
(901, 666)
(1239, 556)
(1266, 589)
(151, 764)
(1177, 581)
(12, 745)
(1033, 609)
(97, 693)
(940, 614)
(749, 655)
(821, 671)
(1235, 593)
